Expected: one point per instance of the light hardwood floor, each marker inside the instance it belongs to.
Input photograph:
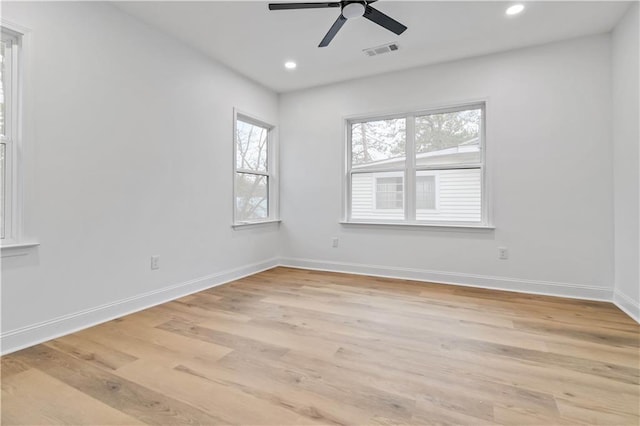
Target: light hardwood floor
(294, 347)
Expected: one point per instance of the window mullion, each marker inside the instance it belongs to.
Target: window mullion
(253, 172)
(377, 170)
(450, 167)
(272, 202)
(348, 158)
(410, 170)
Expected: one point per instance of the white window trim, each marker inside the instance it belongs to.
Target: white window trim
(15, 243)
(486, 222)
(271, 173)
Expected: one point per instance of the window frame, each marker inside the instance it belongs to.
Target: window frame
(12, 140)
(410, 169)
(271, 173)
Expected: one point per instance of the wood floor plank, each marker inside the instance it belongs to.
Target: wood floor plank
(610, 337)
(101, 355)
(541, 377)
(264, 383)
(193, 312)
(346, 391)
(217, 399)
(232, 341)
(264, 333)
(519, 416)
(154, 344)
(435, 379)
(57, 403)
(11, 365)
(596, 352)
(298, 347)
(126, 396)
(581, 413)
(596, 368)
(419, 305)
(453, 411)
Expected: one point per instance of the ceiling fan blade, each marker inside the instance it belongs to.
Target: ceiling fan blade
(289, 6)
(333, 31)
(383, 20)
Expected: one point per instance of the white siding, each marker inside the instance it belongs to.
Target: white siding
(458, 197)
(363, 201)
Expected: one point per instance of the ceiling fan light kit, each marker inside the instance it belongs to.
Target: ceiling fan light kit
(348, 10)
(353, 10)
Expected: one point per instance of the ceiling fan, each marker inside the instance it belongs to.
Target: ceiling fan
(349, 10)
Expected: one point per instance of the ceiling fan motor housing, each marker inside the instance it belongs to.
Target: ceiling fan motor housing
(352, 10)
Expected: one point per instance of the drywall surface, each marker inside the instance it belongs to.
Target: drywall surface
(549, 167)
(128, 152)
(626, 144)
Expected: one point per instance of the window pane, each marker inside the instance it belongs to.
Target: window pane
(252, 197)
(3, 157)
(251, 147)
(457, 195)
(377, 195)
(378, 143)
(425, 192)
(448, 138)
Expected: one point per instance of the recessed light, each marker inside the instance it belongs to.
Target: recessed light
(515, 9)
(290, 65)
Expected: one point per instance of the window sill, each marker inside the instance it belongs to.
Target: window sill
(251, 224)
(17, 249)
(452, 226)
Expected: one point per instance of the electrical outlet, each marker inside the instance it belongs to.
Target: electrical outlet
(155, 262)
(334, 242)
(503, 253)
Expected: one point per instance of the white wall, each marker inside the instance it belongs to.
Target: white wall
(626, 143)
(129, 149)
(549, 159)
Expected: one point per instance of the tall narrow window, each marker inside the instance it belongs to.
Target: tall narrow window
(9, 104)
(254, 178)
(425, 167)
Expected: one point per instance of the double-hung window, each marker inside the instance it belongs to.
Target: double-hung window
(9, 136)
(424, 167)
(255, 187)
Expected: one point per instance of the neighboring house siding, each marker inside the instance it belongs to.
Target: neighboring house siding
(458, 197)
(363, 198)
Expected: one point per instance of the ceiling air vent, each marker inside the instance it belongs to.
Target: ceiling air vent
(379, 50)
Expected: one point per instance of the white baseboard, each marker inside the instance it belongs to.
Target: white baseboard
(21, 338)
(627, 305)
(547, 288)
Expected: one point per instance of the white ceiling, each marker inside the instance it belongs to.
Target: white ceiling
(256, 42)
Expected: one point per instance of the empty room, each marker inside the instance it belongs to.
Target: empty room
(324, 213)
